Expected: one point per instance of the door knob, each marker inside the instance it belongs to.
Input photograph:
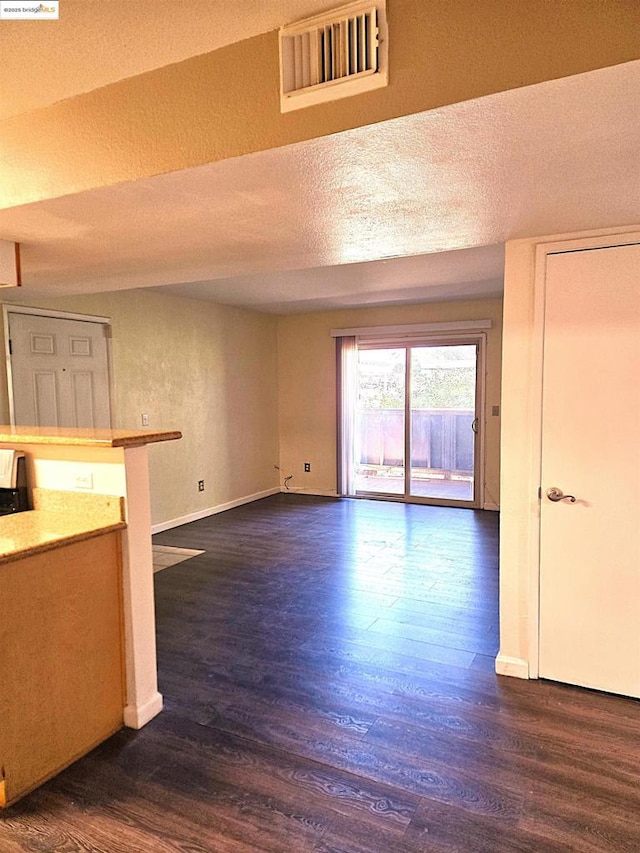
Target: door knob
(555, 494)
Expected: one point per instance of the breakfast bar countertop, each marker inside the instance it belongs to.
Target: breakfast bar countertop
(58, 519)
(17, 435)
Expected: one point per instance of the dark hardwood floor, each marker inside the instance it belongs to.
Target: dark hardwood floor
(327, 668)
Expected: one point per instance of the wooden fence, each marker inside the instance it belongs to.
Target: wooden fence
(441, 439)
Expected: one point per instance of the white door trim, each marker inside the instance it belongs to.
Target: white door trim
(59, 315)
(8, 309)
(522, 440)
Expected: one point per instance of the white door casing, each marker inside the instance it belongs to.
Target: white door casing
(589, 605)
(59, 371)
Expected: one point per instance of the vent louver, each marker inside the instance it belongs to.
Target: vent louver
(334, 55)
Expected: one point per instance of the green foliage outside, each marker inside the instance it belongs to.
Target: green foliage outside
(442, 378)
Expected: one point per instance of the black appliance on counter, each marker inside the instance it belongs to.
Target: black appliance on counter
(13, 482)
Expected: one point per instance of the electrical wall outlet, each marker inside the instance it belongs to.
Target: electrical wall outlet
(83, 481)
(145, 420)
(307, 467)
(201, 485)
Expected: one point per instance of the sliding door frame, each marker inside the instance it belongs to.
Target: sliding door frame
(479, 339)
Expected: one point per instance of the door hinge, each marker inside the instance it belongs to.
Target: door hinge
(10, 347)
(539, 493)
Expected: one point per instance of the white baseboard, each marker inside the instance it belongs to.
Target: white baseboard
(333, 494)
(514, 667)
(212, 510)
(298, 491)
(135, 717)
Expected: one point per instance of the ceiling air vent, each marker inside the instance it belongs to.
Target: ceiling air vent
(333, 55)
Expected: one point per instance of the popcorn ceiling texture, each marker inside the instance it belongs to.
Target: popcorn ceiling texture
(465, 176)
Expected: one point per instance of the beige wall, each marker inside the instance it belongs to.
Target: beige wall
(208, 370)
(306, 359)
(244, 397)
(225, 103)
(518, 479)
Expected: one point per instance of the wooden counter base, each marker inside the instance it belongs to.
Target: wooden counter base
(61, 667)
(105, 462)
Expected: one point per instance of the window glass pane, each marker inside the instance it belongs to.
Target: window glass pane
(443, 395)
(380, 422)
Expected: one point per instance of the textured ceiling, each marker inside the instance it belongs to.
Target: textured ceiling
(463, 274)
(94, 44)
(271, 230)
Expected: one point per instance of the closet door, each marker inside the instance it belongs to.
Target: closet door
(60, 372)
(590, 493)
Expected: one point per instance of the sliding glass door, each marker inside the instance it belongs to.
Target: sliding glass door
(380, 421)
(443, 422)
(417, 430)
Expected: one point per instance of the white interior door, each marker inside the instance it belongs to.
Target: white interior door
(59, 371)
(590, 548)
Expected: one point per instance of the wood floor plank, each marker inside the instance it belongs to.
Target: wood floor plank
(271, 769)
(371, 639)
(449, 830)
(185, 806)
(584, 820)
(480, 641)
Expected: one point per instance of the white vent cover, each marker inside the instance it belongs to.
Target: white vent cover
(333, 55)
